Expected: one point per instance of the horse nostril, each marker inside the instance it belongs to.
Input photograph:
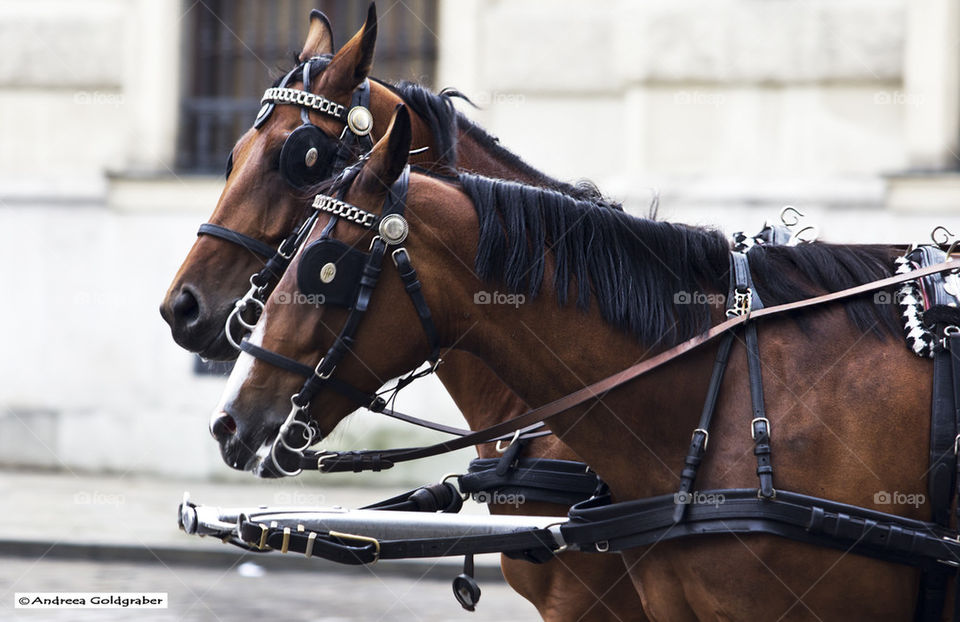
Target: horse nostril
(186, 308)
(222, 426)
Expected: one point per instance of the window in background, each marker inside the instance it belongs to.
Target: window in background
(233, 50)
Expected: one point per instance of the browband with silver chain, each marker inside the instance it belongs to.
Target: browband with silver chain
(286, 95)
(344, 210)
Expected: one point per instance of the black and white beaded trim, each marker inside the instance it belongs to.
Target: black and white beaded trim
(910, 303)
(742, 242)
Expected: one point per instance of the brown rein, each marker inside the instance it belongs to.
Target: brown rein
(600, 387)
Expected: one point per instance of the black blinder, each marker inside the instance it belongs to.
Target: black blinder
(331, 269)
(306, 157)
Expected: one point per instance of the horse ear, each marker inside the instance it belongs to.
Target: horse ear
(319, 37)
(353, 62)
(391, 152)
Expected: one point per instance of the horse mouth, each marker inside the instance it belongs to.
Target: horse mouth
(218, 348)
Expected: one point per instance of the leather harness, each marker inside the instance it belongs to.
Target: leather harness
(599, 525)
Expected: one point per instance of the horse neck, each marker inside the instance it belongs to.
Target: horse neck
(548, 352)
(543, 351)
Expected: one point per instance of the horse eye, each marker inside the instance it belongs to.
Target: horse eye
(229, 170)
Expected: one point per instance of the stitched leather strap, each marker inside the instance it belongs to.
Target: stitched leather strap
(803, 518)
(251, 244)
(414, 290)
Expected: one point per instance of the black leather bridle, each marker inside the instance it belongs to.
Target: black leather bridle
(298, 155)
(392, 231)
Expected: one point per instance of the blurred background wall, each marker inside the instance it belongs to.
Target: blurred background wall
(116, 117)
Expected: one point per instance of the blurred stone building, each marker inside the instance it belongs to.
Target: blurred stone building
(116, 117)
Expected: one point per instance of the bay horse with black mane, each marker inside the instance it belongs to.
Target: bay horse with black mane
(848, 404)
(264, 201)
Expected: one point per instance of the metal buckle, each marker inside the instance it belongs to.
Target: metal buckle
(753, 427)
(950, 562)
(264, 530)
(368, 540)
(706, 437)
(323, 456)
(285, 545)
(326, 376)
(393, 255)
(949, 331)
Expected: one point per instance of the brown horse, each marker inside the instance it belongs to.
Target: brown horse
(257, 202)
(849, 406)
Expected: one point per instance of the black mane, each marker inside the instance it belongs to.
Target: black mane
(649, 278)
(445, 122)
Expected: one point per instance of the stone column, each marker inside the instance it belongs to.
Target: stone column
(151, 84)
(931, 84)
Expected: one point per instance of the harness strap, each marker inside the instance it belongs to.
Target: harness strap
(251, 244)
(952, 343)
(701, 435)
(401, 258)
(941, 482)
(599, 525)
(361, 98)
(759, 425)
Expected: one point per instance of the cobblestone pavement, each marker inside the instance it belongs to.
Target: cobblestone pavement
(228, 593)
